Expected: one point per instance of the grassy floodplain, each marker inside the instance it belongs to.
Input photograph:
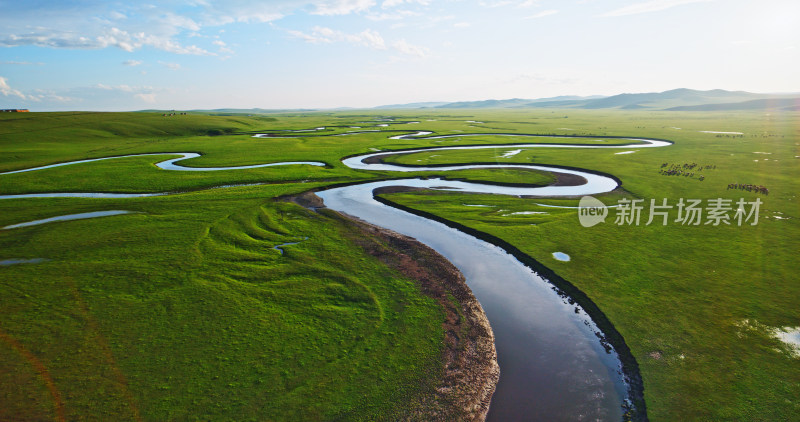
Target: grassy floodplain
(184, 310)
(696, 304)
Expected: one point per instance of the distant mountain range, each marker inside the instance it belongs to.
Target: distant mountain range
(788, 104)
(428, 104)
(674, 100)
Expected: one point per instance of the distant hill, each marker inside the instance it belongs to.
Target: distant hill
(676, 99)
(789, 104)
(517, 102)
(567, 98)
(225, 111)
(412, 105)
(514, 102)
(230, 111)
(556, 104)
(682, 99)
(672, 98)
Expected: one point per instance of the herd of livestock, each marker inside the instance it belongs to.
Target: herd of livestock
(689, 169)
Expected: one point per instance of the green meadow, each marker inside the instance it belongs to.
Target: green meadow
(183, 309)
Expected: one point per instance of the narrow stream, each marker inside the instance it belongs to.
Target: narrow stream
(170, 164)
(69, 217)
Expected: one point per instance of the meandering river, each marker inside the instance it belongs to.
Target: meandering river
(553, 363)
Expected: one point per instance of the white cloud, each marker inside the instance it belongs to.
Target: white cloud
(342, 7)
(148, 98)
(496, 3)
(132, 62)
(223, 12)
(56, 98)
(118, 93)
(392, 3)
(309, 38)
(543, 14)
(116, 15)
(38, 96)
(23, 63)
(94, 24)
(462, 25)
(119, 97)
(226, 11)
(223, 47)
(123, 88)
(7, 91)
(178, 21)
(97, 24)
(649, 6)
(392, 15)
(412, 50)
(166, 44)
(369, 38)
(320, 34)
(112, 37)
(327, 32)
(247, 17)
(171, 66)
(220, 12)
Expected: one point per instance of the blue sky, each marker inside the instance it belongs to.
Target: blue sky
(189, 54)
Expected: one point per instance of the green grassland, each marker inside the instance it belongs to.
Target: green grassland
(183, 310)
(686, 298)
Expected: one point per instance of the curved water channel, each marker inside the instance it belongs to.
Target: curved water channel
(169, 164)
(554, 363)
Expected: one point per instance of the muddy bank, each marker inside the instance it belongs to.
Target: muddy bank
(305, 200)
(566, 179)
(470, 369)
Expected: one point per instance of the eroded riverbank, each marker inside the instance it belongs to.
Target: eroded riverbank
(470, 368)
